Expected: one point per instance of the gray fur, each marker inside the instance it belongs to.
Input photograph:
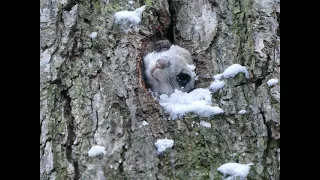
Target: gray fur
(163, 77)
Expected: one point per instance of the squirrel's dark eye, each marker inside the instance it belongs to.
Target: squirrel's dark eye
(183, 79)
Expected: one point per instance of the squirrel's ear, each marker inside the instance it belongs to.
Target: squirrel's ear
(163, 63)
(162, 45)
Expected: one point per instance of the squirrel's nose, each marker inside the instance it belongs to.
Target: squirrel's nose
(162, 63)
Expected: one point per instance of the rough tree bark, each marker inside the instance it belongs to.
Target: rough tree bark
(91, 91)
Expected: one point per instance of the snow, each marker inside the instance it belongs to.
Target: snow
(93, 35)
(191, 66)
(242, 112)
(163, 144)
(272, 82)
(234, 69)
(96, 150)
(133, 17)
(205, 124)
(131, 2)
(216, 85)
(198, 101)
(235, 169)
(217, 77)
(144, 123)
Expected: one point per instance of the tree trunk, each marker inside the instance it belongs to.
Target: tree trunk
(92, 91)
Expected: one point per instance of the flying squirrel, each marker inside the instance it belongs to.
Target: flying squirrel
(169, 67)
